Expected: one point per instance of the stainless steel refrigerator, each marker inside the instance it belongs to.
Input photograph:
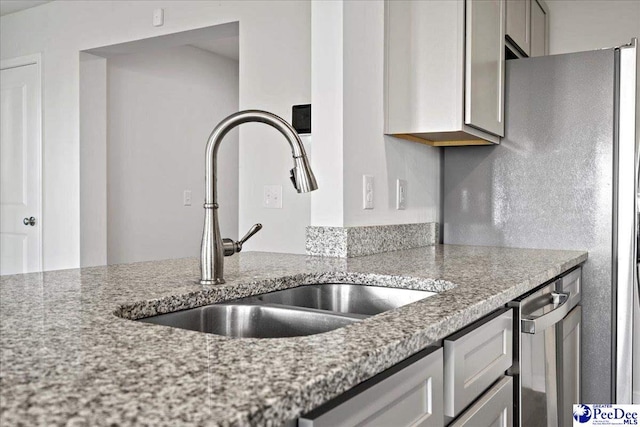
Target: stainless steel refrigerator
(564, 177)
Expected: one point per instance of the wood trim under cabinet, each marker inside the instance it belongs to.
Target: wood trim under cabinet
(414, 138)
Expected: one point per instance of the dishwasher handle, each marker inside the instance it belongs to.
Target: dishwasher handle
(533, 325)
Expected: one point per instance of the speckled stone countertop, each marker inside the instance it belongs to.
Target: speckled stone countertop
(66, 358)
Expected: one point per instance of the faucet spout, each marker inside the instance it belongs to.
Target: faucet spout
(212, 251)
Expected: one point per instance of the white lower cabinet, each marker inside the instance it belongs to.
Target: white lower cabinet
(493, 409)
(408, 395)
(474, 358)
(461, 384)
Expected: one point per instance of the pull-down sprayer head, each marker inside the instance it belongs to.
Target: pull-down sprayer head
(302, 176)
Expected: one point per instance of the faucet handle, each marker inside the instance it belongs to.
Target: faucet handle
(230, 247)
(253, 230)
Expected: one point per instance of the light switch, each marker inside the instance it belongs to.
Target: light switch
(186, 197)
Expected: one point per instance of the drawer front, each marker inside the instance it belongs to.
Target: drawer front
(571, 284)
(474, 359)
(410, 397)
(493, 409)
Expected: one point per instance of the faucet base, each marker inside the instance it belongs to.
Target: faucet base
(211, 282)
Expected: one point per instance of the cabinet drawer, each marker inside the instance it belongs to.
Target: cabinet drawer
(571, 284)
(475, 358)
(410, 397)
(493, 409)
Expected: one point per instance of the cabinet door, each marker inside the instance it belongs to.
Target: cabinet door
(518, 21)
(484, 65)
(493, 409)
(538, 29)
(410, 397)
(569, 382)
(475, 358)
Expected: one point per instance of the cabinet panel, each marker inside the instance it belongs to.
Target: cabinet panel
(424, 73)
(538, 29)
(493, 409)
(424, 76)
(409, 397)
(518, 21)
(475, 359)
(569, 386)
(571, 284)
(484, 65)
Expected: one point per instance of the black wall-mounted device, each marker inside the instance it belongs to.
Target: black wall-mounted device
(301, 118)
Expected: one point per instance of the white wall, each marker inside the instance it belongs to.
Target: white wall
(162, 106)
(366, 149)
(327, 126)
(579, 25)
(348, 102)
(93, 160)
(274, 75)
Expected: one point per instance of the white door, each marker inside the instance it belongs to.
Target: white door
(20, 235)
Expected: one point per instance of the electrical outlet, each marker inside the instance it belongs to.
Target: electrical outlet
(272, 197)
(186, 197)
(367, 191)
(401, 194)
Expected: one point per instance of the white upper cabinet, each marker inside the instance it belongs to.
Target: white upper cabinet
(444, 74)
(519, 24)
(539, 28)
(527, 27)
(484, 65)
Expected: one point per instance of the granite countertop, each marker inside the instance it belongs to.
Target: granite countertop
(68, 357)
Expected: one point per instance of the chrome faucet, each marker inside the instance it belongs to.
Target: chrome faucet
(214, 248)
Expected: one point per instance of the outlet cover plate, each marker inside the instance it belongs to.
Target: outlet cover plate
(367, 191)
(401, 194)
(272, 197)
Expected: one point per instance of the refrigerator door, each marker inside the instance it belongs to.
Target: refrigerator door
(549, 185)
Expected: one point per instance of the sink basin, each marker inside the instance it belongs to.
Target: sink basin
(305, 310)
(342, 298)
(252, 321)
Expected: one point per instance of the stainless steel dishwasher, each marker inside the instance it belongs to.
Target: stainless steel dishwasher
(547, 363)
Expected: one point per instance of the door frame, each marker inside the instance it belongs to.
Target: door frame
(21, 61)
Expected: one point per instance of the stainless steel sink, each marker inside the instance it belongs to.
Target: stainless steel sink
(252, 321)
(342, 298)
(304, 310)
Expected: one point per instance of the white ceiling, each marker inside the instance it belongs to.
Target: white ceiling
(11, 6)
(224, 46)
